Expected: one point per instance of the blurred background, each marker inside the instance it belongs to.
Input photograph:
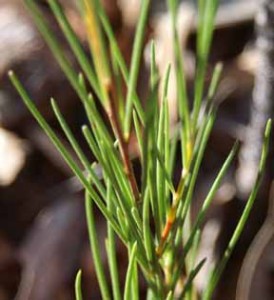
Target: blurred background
(43, 238)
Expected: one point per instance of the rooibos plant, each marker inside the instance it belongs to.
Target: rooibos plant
(151, 219)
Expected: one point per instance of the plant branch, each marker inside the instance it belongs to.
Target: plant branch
(123, 144)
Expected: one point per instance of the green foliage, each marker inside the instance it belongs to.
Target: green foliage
(151, 219)
(78, 291)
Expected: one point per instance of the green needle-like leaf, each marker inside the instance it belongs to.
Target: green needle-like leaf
(161, 174)
(111, 249)
(215, 80)
(183, 105)
(148, 242)
(139, 134)
(191, 277)
(78, 289)
(207, 11)
(75, 145)
(130, 274)
(94, 243)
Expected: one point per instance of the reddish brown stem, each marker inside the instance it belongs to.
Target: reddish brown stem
(123, 144)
